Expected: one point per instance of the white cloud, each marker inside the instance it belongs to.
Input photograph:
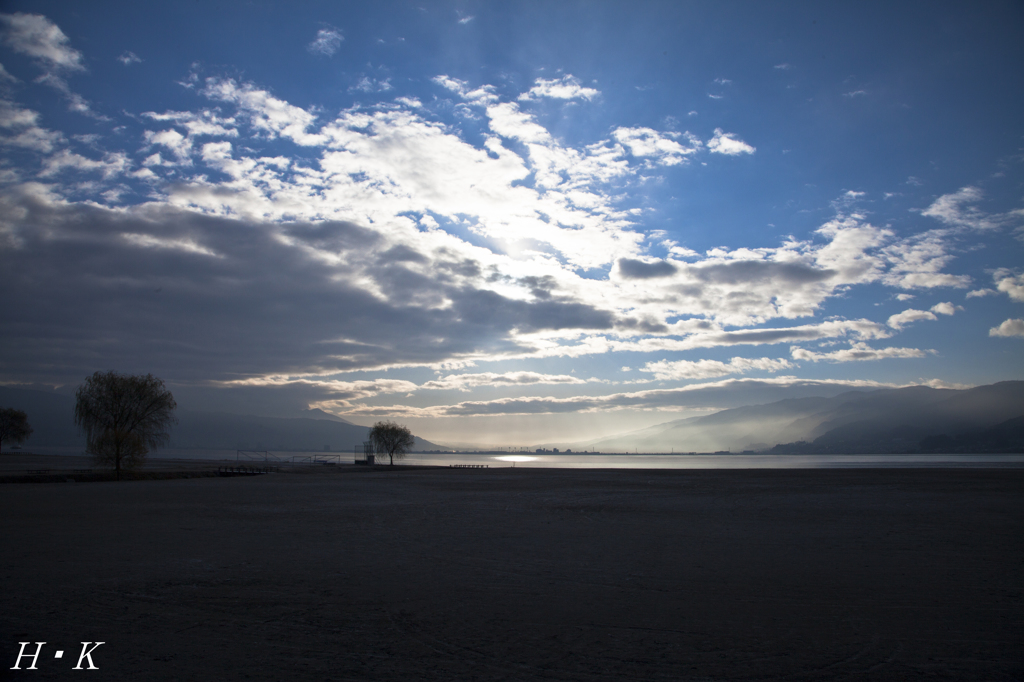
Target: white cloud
(900, 320)
(367, 84)
(707, 395)
(128, 58)
(1009, 328)
(418, 167)
(857, 352)
(173, 141)
(372, 217)
(846, 200)
(147, 241)
(664, 370)
(112, 165)
(1010, 284)
(726, 143)
(41, 39)
(204, 122)
(682, 252)
(917, 262)
(6, 76)
(782, 67)
(34, 138)
(76, 102)
(331, 395)
(831, 329)
(454, 84)
(267, 113)
(24, 131)
(946, 308)
(855, 93)
(483, 95)
(13, 116)
(979, 293)
(465, 382)
(326, 42)
(955, 210)
(660, 147)
(566, 87)
(905, 297)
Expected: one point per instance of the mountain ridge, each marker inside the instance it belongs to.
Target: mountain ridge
(855, 422)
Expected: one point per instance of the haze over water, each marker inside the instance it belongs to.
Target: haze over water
(625, 461)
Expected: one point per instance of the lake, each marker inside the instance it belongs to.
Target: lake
(625, 461)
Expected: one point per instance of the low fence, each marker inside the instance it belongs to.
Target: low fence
(316, 459)
(246, 470)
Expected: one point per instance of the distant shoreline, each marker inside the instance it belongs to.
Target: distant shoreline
(23, 466)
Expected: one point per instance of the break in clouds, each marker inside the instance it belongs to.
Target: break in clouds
(251, 242)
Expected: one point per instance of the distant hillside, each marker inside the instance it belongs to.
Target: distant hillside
(223, 431)
(880, 421)
(1005, 437)
(51, 416)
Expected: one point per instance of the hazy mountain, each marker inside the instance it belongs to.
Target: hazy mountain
(51, 416)
(317, 413)
(886, 420)
(917, 418)
(224, 431)
(1005, 437)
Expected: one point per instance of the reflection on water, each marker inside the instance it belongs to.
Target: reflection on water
(589, 461)
(595, 461)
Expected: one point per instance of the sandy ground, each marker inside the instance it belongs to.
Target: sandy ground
(520, 574)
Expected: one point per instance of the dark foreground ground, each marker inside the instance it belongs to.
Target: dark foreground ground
(520, 574)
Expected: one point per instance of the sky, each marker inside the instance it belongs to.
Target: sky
(511, 223)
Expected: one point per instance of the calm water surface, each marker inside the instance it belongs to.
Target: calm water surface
(620, 461)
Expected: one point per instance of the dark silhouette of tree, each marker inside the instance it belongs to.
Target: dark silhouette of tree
(14, 426)
(123, 417)
(388, 438)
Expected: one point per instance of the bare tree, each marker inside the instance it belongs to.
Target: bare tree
(388, 438)
(123, 417)
(14, 426)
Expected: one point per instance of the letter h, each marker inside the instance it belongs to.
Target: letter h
(22, 654)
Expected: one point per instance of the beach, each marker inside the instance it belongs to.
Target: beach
(372, 573)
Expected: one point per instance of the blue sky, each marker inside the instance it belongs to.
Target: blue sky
(512, 223)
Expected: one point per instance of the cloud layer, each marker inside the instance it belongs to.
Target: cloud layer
(252, 243)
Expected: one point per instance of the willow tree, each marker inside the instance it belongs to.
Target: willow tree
(123, 417)
(388, 438)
